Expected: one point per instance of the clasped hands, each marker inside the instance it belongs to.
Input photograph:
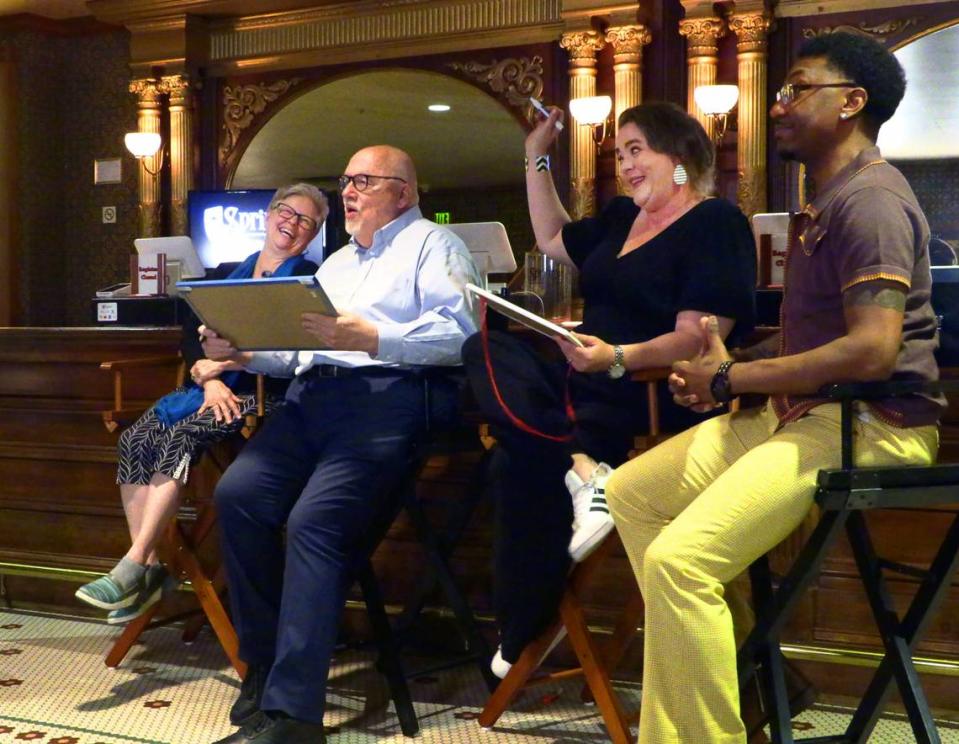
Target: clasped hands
(343, 332)
(690, 380)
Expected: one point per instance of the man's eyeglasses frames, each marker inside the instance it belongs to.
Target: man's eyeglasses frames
(790, 91)
(361, 181)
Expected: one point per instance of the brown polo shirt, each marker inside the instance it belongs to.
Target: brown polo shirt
(864, 225)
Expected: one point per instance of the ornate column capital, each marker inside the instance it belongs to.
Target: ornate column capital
(702, 35)
(582, 47)
(752, 30)
(628, 42)
(178, 87)
(146, 90)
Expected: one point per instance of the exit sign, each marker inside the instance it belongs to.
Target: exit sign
(442, 218)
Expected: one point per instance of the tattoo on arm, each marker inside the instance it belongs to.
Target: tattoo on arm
(890, 295)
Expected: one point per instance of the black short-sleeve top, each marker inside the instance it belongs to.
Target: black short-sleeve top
(705, 261)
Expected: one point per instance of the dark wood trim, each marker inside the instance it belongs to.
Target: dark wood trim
(82, 26)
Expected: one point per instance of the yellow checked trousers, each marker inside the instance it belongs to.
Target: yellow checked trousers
(693, 513)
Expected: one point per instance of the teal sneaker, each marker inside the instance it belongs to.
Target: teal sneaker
(107, 594)
(149, 595)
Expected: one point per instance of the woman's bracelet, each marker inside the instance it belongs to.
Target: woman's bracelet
(541, 161)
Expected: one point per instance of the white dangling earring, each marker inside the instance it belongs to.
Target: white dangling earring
(843, 115)
(680, 176)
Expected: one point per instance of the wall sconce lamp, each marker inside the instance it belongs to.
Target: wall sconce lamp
(593, 111)
(717, 101)
(143, 145)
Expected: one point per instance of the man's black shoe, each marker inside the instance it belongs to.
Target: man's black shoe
(265, 729)
(247, 703)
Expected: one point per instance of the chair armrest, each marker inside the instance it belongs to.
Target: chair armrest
(651, 376)
(119, 415)
(255, 418)
(118, 365)
(846, 392)
(886, 389)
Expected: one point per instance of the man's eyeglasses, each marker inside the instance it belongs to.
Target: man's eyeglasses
(361, 181)
(790, 91)
(288, 213)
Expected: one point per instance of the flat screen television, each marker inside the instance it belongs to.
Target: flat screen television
(230, 225)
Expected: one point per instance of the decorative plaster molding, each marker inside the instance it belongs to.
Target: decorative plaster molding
(628, 42)
(145, 89)
(582, 197)
(373, 22)
(806, 8)
(747, 191)
(702, 35)
(582, 47)
(176, 86)
(751, 31)
(880, 31)
(513, 80)
(242, 104)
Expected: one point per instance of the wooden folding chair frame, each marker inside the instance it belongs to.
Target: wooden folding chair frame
(597, 661)
(842, 496)
(178, 549)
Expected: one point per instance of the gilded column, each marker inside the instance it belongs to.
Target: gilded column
(181, 148)
(628, 43)
(582, 47)
(702, 59)
(148, 120)
(751, 31)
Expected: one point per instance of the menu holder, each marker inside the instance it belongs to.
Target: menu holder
(259, 314)
(523, 316)
(148, 275)
(771, 231)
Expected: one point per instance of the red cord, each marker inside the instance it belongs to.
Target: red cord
(514, 419)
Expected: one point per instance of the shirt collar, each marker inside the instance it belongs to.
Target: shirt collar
(828, 191)
(385, 235)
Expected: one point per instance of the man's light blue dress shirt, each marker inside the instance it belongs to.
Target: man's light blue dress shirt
(410, 284)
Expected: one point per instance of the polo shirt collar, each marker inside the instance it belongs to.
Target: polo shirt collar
(832, 187)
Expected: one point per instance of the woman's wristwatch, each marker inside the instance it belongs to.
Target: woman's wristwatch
(617, 369)
(720, 387)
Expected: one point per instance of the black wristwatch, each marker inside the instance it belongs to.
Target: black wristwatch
(720, 387)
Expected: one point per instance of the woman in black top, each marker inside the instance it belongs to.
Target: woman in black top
(155, 453)
(651, 266)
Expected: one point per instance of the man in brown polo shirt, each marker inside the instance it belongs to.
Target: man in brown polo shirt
(694, 512)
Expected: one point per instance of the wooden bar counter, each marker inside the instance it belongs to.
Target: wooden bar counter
(61, 520)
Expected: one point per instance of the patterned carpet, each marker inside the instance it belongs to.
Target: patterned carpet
(55, 689)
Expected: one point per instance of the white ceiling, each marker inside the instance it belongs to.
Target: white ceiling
(926, 124)
(477, 143)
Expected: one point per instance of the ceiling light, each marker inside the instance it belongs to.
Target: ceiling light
(438, 107)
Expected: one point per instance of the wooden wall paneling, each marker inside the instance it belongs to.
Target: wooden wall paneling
(843, 616)
(59, 504)
(9, 177)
